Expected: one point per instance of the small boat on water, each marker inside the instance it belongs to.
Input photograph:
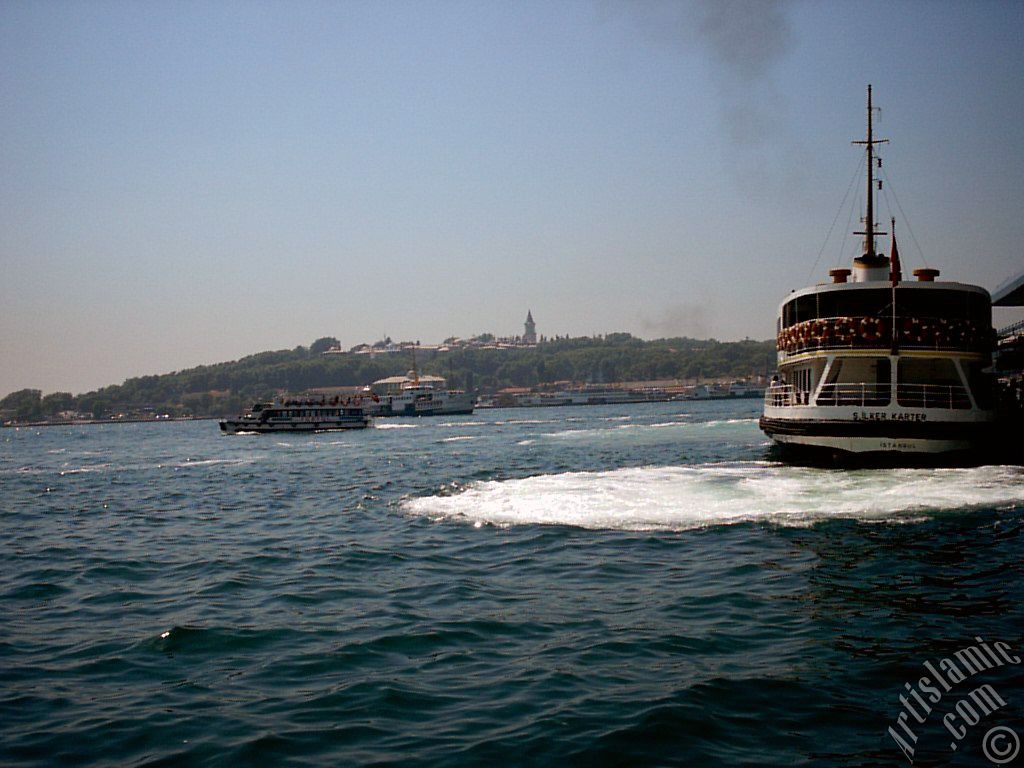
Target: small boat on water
(880, 368)
(285, 415)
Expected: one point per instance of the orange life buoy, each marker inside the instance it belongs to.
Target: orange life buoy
(872, 329)
(805, 333)
(968, 334)
(911, 330)
(927, 333)
(820, 331)
(843, 329)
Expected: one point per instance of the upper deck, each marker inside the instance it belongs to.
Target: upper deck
(940, 316)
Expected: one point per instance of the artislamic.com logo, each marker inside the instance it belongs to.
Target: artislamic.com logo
(1000, 744)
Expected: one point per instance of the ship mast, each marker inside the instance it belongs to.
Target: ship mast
(869, 220)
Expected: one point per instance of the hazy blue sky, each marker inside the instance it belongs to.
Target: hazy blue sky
(186, 183)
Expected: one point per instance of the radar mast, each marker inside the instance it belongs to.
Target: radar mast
(869, 220)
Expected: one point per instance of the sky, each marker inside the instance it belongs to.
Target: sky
(187, 183)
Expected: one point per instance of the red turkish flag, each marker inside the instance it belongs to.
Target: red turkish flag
(895, 274)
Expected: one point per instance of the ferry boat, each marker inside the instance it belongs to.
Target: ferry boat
(882, 368)
(415, 395)
(307, 415)
(589, 395)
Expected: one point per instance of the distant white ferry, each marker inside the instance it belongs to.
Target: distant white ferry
(590, 395)
(415, 395)
(881, 367)
(301, 415)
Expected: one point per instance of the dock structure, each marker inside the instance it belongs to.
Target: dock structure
(1009, 353)
(1009, 366)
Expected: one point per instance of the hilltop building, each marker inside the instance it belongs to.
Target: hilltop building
(530, 334)
(482, 341)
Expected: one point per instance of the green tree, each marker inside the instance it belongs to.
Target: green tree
(25, 404)
(56, 402)
(321, 345)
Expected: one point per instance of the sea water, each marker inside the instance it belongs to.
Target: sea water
(606, 585)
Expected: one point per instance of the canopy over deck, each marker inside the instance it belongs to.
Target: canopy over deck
(1010, 293)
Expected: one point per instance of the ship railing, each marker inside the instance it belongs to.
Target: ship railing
(784, 395)
(865, 394)
(951, 396)
(856, 393)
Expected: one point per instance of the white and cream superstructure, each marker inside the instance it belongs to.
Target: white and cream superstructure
(415, 395)
(876, 366)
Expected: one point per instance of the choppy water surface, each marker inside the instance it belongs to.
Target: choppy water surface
(621, 585)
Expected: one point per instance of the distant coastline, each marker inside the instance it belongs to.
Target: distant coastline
(89, 422)
(211, 391)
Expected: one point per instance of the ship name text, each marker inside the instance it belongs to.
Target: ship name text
(886, 416)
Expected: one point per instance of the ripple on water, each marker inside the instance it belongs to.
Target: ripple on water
(646, 591)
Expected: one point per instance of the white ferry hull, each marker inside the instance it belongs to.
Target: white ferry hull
(875, 445)
(433, 404)
(898, 436)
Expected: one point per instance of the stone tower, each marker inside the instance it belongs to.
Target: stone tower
(530, 334)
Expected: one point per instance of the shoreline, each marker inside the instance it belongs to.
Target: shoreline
(88, 422)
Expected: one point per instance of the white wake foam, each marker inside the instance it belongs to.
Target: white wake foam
(615, 432)
(681, 498)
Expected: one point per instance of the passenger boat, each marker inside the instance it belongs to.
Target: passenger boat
(419, 398)
(878, 367)
(303, 415)
(415, 395)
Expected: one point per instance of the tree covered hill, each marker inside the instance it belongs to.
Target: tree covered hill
(224, 388)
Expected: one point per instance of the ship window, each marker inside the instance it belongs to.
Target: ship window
(949, 304)
(859, 381)
(930, 383)
(927, 371)
(800, 309)
(859, 303)
(862, 303)
(982, 384)
(848, 303)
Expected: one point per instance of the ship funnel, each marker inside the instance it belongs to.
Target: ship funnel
(870, 268)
